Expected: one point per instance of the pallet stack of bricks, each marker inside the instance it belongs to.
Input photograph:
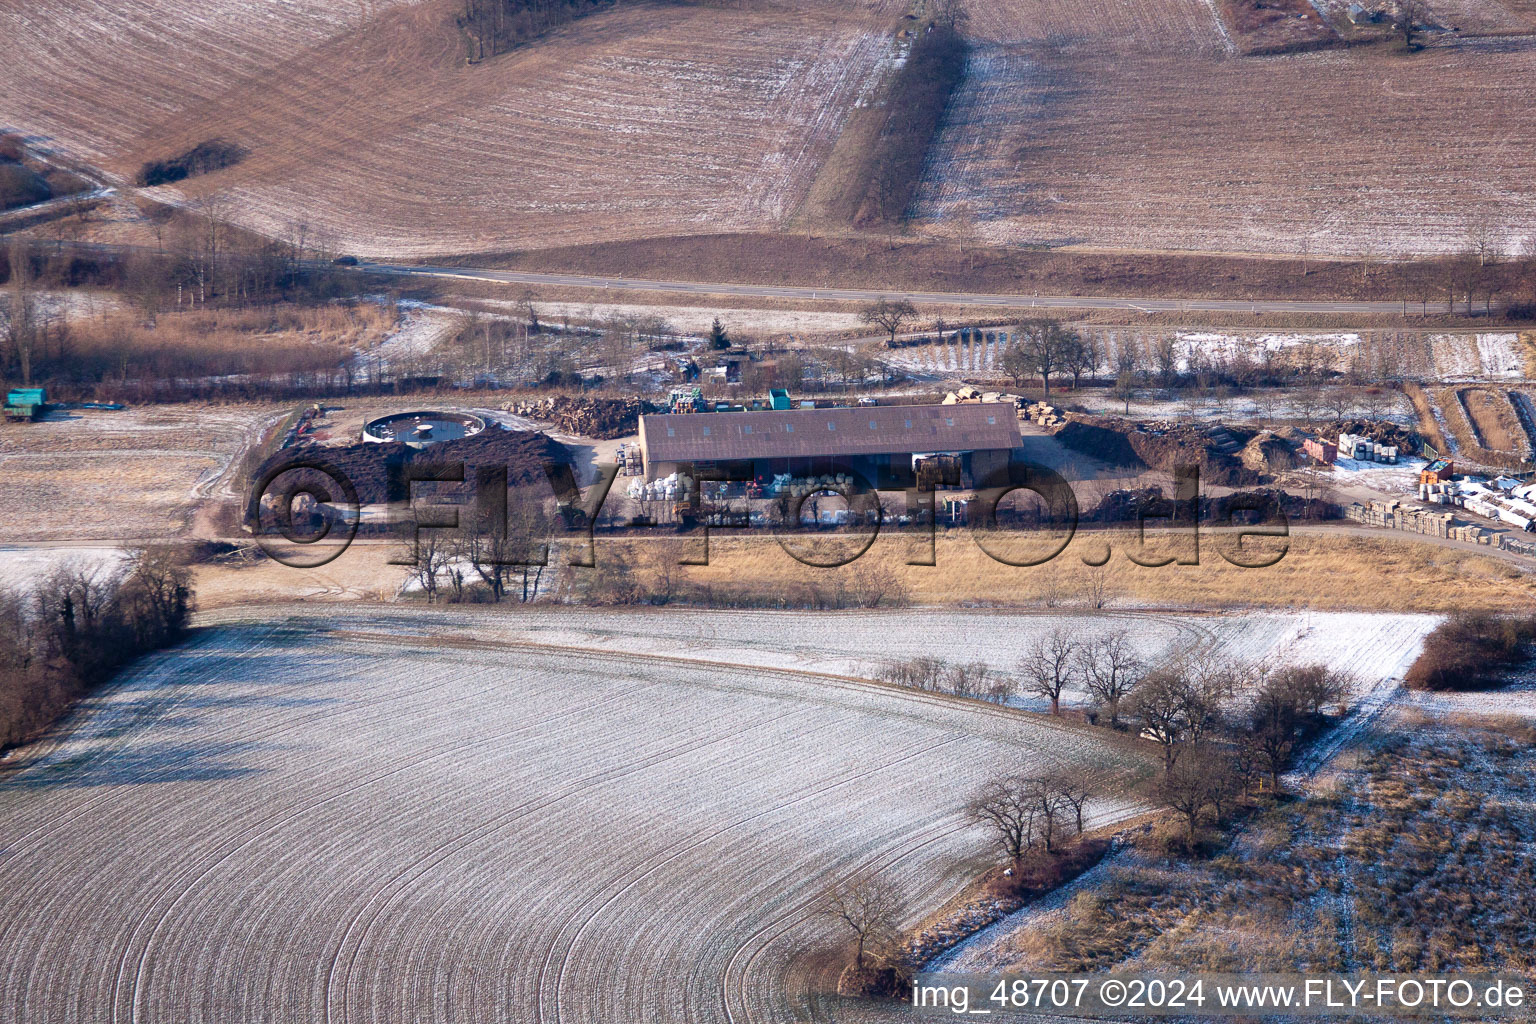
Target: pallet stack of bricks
(1394, 515)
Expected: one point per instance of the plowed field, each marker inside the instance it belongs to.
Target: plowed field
(395, 819)
(1134, 126)
(364, 121)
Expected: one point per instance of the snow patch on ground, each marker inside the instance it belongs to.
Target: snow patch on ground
(23, 567)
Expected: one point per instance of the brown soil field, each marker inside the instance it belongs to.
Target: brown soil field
(1069, 141)
(1151, 25)
(1485, 17)
(1131, 127)
(930, 264)
(366, 123)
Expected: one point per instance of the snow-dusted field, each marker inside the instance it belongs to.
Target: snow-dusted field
(363, 120)
(1369, 355)
(23, 567)
(392, 818)
(1374, 648)
(135, 474)
(698, 319)
(1103, 135)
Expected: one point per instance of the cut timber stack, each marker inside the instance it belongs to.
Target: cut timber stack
(586, 417)
(1044, 415)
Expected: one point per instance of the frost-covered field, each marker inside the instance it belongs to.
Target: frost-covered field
(393, 818)
(1370, 354)
(1374, 648)
(135, 474)
(697, 319)
(21, 568)
(1082, 136)
(364, 121)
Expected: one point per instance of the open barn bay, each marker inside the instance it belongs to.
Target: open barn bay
(343, 819)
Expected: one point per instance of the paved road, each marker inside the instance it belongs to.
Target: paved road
(1142, 305)
(770, 291)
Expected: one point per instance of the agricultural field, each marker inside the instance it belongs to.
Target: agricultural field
(135, 474)
(392, 816)
(1077, 126)
(1371, 355)
(1375, 649)
(593, 133)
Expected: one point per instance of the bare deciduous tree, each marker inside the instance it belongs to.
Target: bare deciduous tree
(1173, 710)
(1007, 808)
(890, 315)
(161, 579)
(1111, 668)
(1041, 347)
(427, 559)
(1050, 666)
(1073, 792)
(869, 908)
(1407, 17)
(21, 328)
(1023, 810)
(1200, 780)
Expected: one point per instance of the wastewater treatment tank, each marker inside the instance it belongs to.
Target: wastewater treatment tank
(420, 429)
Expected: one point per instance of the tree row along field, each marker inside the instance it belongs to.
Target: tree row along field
(1373, 649)
(330, 828)
(645, 119)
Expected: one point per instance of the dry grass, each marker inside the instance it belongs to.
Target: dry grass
(1413, 863)
(1495, 421)
(1318, 571)
(214, 343)
(1268, 26)
(1428, 425)
(1474, 442)
(1528, 353)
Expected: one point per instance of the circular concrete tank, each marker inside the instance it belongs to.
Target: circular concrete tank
(420, 429)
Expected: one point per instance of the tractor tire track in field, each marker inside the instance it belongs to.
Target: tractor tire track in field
(368, 815)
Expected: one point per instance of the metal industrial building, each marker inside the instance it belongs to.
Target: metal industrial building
(882, 443)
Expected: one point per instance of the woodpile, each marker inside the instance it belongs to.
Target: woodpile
(1043, 414)
(585, 417)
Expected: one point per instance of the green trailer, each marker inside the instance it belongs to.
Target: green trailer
(26, 404)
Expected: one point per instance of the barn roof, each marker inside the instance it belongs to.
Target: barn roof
(810, 433)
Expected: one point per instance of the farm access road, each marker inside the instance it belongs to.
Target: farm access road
(1137, 304)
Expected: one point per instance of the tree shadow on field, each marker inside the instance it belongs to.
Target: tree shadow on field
(137, 766)
(158, 723)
